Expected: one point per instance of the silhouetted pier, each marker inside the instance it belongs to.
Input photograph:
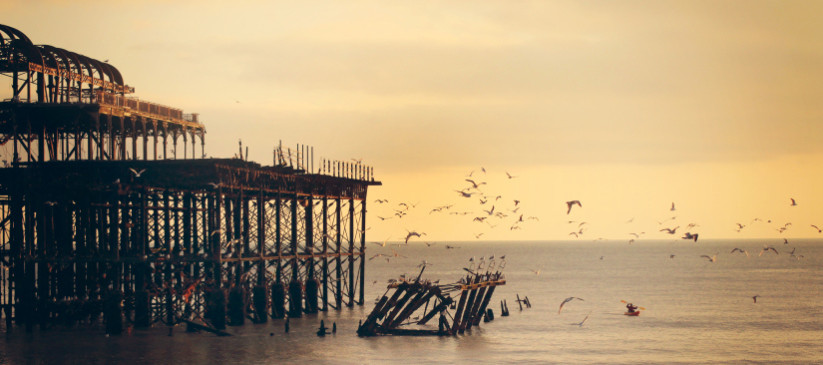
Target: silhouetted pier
(106, 208)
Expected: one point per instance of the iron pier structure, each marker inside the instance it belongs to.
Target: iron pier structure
(104, 212)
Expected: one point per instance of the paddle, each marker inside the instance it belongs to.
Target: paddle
(641, 308)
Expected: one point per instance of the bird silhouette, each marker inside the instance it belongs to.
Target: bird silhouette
(571, 203)
(794, 203)
(569, 299)
(767, 249)
(670, 230)
(413, 234)
(672, 209)
(690, 236)
(740, 250)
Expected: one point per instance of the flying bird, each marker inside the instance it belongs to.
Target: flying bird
(767, 249)
(137, 173)
(672, 207)
(740, 250)
(670, 230)
(571, 203)
(413, 234)
(818, 229)
(475, 184)
(581, 322)
(690, 236)
(569, 299)
(710, 258)
(755, 298)
(510, 175)
(794, 203)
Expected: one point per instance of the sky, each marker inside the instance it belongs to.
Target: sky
(627, 106)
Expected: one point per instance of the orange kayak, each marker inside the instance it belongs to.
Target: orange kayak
(635, 313)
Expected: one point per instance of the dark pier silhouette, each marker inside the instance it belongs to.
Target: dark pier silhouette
(108, 210)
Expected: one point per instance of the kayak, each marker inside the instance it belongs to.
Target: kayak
(635, 313)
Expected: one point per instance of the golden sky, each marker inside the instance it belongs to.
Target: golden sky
(627, 106)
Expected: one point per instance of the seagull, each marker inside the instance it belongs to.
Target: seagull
(740, 250)
(510, 175)
(536, 272)
(767, 249)
(448, 247)
(516, 202)
(137, 173)
(581, 322)
(424, 263)
(214, 185)
(785, 241)
(670, 230)
(690, 236)
(430, 244)
(381, 201)
(818, 229)
(794, 203)
(672, 207)
(465, 193)
(671, 256)
(710, 258)
(477, 236)
(413, 234)
(755, 297)
(50, 203)
(570, 203)
(569, 299)
(475, 184)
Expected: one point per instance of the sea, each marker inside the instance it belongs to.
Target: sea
(695, 311)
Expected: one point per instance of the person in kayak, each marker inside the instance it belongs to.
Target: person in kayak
(631, 307)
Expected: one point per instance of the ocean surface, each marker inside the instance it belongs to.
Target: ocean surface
(696, 311)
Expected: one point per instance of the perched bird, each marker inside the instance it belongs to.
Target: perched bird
(571, 203)
(569, 299)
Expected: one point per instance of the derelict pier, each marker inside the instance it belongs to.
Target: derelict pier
(108, 207)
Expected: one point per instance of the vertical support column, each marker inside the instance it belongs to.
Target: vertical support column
(338, 294)
(311, 280)
(351, 253)
(325, 252)
(362, 250)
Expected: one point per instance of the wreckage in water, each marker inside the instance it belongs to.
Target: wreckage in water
(398, 312)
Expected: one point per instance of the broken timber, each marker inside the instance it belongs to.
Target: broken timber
(394, 312)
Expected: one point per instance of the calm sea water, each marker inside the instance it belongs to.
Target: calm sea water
(696, 312)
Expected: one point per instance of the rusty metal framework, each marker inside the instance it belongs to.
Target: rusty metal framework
(66, 106)
(178, 240)
(93, 220)
(394, 313)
